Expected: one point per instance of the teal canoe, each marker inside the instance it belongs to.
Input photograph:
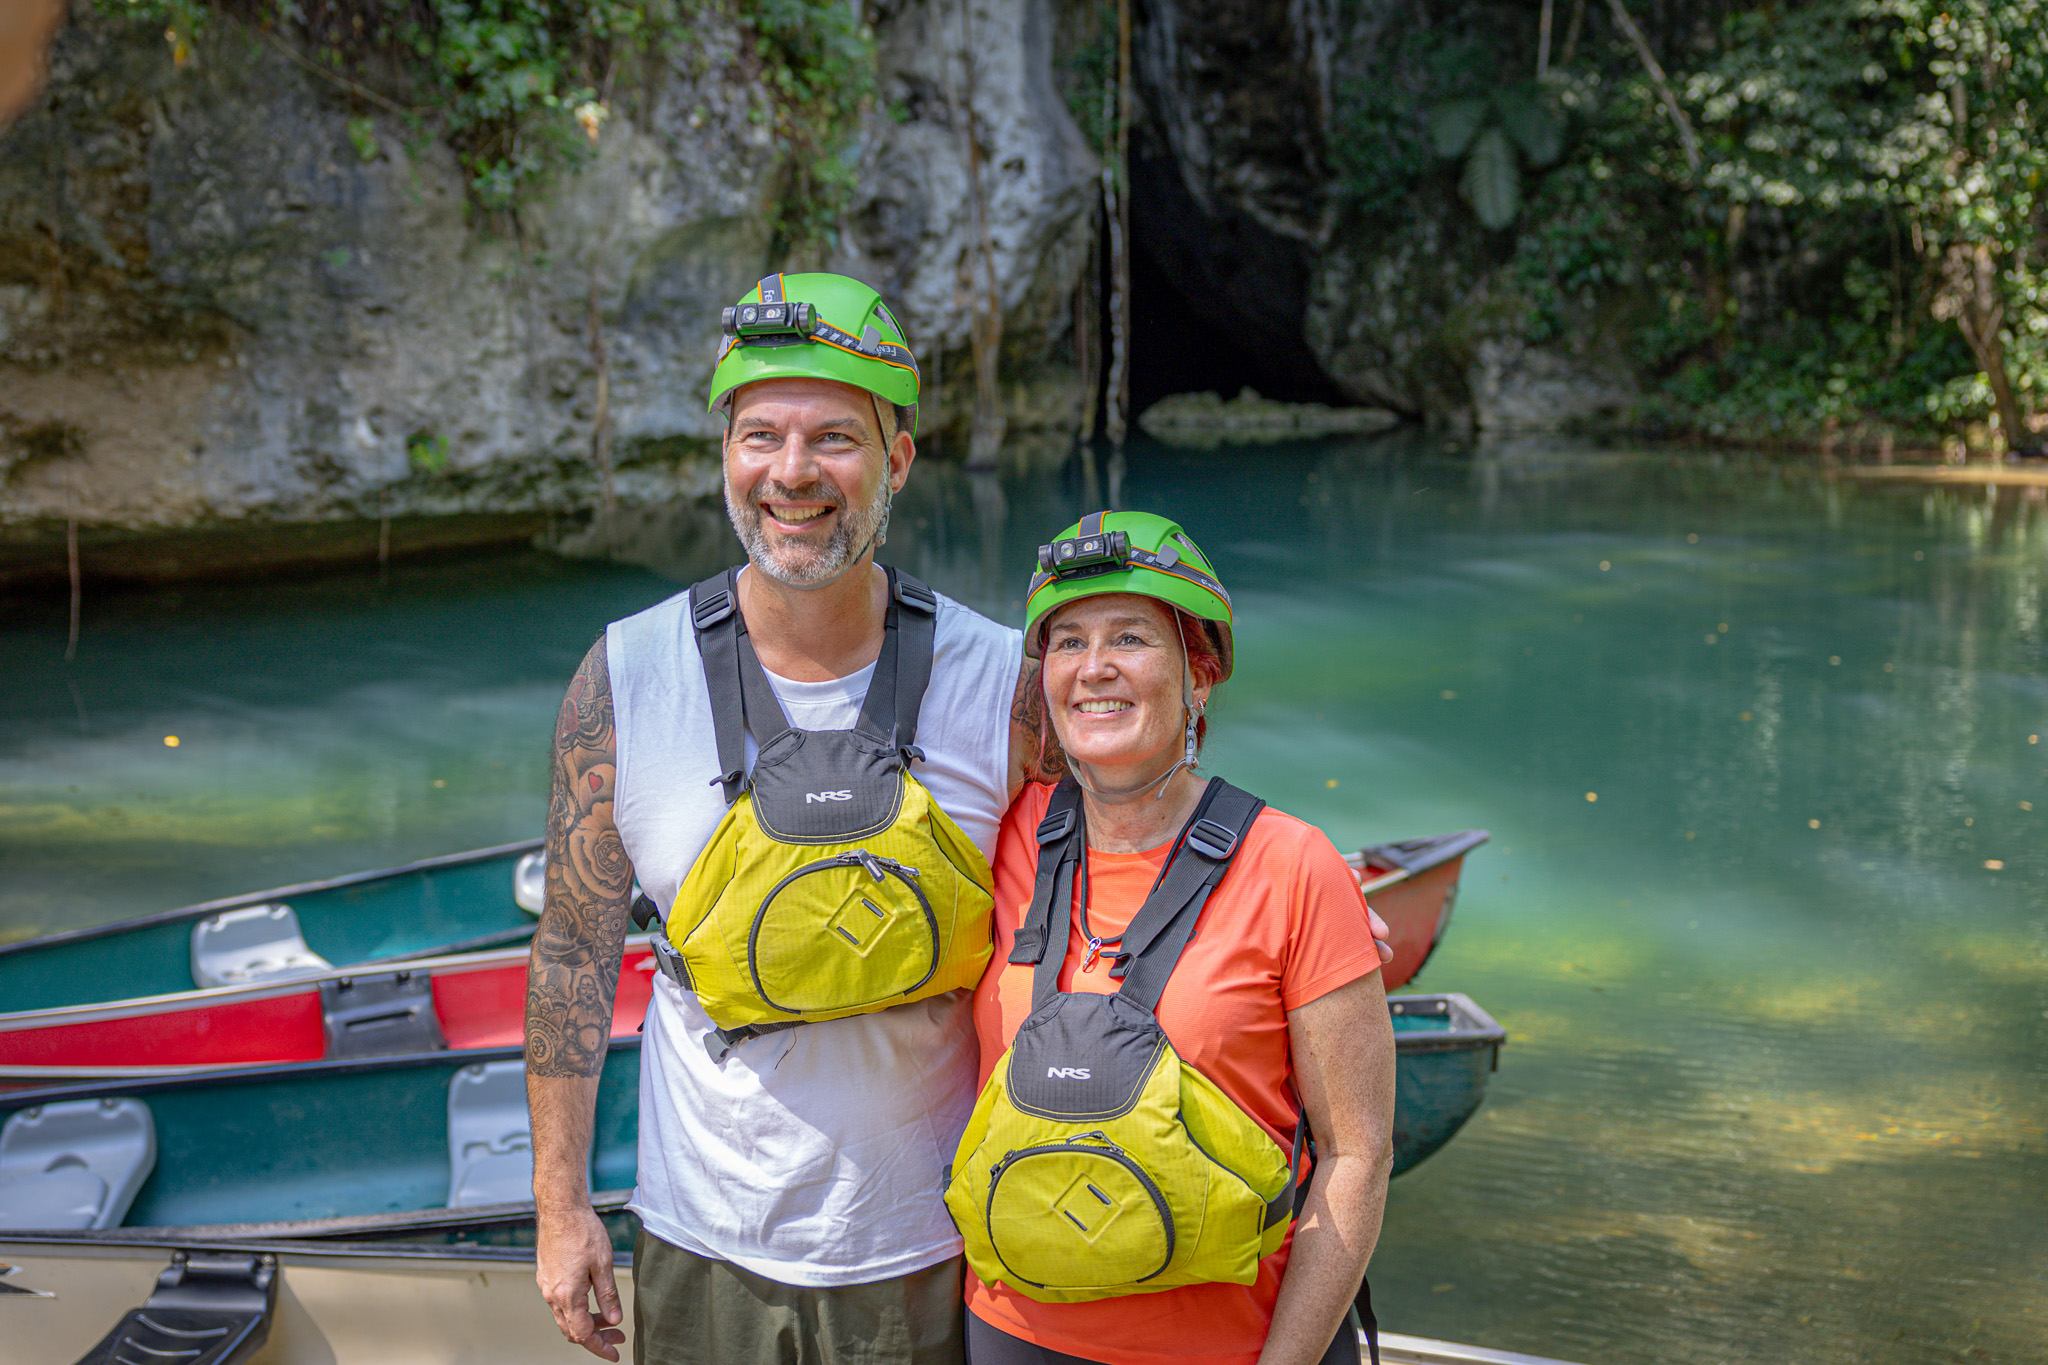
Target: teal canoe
(285, 1150)
(461, 903)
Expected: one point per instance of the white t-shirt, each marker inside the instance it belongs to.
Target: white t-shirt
(813, 1156)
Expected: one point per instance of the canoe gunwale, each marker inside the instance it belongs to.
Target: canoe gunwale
(1471, 1027)
(352, 1232)
(11, 1100)
(205, 908)
(1433, 852)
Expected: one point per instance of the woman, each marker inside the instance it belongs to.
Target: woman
(1274, 995)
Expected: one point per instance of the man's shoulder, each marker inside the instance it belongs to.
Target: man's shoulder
(960, 625)
(660, 616)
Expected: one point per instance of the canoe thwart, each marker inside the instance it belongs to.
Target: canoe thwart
(208, 1309)
(255, 943)
(389, 1014)
(75, 1164)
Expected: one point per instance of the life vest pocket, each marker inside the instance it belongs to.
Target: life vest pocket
(843, 932)
(1077, 1215)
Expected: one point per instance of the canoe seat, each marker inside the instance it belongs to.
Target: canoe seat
(490, 1135)
(530, 882)
(74, 1165)
(258, 943)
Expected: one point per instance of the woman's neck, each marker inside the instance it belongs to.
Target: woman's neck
(1136, 826)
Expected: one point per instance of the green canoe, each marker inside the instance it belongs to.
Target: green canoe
(283, 1150)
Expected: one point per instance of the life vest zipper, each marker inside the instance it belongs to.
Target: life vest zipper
(876, 866)
(1102, 1147)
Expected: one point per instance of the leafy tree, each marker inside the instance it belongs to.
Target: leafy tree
(1931, 110)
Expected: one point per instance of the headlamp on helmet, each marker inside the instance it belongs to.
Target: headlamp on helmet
(1085, 556)
(781, 323)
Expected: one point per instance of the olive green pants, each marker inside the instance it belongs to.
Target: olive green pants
(691, 1311)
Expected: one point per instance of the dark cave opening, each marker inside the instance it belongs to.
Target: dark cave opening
(1216, 304)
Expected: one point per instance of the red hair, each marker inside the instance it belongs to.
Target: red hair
(1205, 659)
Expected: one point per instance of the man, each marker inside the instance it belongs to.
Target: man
(789, 1184)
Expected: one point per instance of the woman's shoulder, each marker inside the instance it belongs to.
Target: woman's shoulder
(1027, 808)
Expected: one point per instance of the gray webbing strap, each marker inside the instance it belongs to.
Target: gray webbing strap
(715, 616)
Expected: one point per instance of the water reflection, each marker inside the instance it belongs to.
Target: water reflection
(1779, 1025)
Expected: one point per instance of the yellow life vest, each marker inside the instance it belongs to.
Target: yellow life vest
(834, 885)
(1097, 1163)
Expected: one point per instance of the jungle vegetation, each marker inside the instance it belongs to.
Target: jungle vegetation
(1812, 214)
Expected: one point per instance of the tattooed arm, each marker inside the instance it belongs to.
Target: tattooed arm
(571, 980)
(1035, 754)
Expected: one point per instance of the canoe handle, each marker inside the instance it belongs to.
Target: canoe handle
(208, 1309)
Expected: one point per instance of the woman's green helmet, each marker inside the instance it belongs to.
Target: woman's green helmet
(816, 327)
(1136, 552)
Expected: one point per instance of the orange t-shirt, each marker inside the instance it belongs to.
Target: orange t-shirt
(1284, 926)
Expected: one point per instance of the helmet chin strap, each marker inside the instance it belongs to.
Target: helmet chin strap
(1193, 710)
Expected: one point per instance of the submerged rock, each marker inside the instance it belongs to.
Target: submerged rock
(1204, 420)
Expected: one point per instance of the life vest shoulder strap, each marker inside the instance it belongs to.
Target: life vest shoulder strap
(740, 694)
(1160, 931)
(715, 616)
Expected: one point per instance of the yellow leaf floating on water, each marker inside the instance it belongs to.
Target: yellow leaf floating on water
(1994, 865)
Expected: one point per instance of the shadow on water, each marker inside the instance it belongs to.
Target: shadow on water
(1766, 910)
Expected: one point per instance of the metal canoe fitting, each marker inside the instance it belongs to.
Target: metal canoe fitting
(209, 1308)
(76, 1164)
(257, 943)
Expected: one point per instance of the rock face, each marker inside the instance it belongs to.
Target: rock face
(213, 302)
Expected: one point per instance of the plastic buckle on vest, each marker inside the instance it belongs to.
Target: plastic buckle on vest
(1213, 841)
(1056, 826)
(916, 596)
(713, 609)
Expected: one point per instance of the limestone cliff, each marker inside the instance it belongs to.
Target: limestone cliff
(215, 302)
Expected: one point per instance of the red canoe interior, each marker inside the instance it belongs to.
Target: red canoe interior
(1414, 911)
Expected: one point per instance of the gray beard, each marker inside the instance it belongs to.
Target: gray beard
(800, 566)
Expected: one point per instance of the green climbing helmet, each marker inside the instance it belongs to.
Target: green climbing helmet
(816, 327)
(1127, 552)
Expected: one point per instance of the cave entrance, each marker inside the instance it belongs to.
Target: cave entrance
(1216, 305)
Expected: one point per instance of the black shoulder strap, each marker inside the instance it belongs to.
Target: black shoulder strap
(904, 667)
(917, 636)
(715, 615)
(1061, 842)
(1160, 931)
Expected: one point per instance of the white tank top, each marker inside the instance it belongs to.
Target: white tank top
(813, 1156)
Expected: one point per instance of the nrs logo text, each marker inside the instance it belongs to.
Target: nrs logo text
(827, 796)
(1066, 1073)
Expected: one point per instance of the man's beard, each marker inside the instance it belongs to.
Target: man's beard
(795, 563)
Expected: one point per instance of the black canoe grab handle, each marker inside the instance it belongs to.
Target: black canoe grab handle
(209, 1308)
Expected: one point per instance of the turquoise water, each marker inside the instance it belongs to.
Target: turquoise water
(1777, 1079)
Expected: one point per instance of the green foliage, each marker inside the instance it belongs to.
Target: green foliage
(521, 89)
(818, 59)
(362, 135)
(1492, 184)
(427, 452)
(1873, 185)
